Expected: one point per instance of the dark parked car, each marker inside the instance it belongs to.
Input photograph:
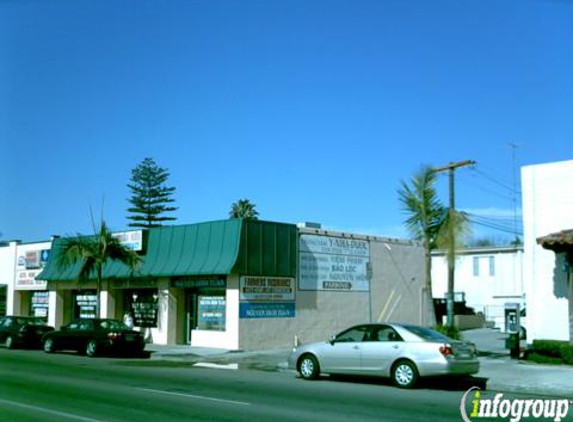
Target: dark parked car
(22, 331)
(94, 337)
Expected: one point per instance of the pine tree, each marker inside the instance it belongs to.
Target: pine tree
(150, 198)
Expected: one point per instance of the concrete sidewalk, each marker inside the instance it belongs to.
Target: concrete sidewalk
(506, 374)
(497, 370)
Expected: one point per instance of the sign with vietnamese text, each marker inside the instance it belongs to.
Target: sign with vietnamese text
(267, 310)
(333, 263)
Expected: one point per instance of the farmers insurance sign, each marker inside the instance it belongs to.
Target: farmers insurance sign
(269, 289)
(333, 263)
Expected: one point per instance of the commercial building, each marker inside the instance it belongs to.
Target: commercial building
(235, 284)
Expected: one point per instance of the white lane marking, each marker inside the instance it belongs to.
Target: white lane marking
(50, 411)
(193, 396)
(231, 366)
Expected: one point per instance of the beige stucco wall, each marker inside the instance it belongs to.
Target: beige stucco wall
(397, 278)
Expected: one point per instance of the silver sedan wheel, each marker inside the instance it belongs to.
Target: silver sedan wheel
(405, 374)
(308, 367)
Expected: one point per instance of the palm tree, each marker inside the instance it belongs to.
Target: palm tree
(93, 252)
(244, 208)
(425, 217)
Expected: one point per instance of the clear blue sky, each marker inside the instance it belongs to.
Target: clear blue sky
(314, 110)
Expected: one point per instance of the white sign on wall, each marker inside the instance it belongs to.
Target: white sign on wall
(333, 263)
(131, 239)
(266, 288)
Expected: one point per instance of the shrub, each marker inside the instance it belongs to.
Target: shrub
(449, 330)
(537, 358)
(567, 353)
(549, 348)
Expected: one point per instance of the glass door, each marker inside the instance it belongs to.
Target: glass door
(190, 313)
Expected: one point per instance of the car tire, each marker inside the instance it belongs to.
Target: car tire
(404, 374)
(91, 348)
(308, 367)
(9, 342)
(49, 346)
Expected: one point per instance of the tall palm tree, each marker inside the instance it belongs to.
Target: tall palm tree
(244, 208)
(425, 217)
(93, 252)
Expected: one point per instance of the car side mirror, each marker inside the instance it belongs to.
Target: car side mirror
(332, 340)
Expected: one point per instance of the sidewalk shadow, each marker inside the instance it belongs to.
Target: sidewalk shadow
(493, 355)
(447, 383)
(453, 383)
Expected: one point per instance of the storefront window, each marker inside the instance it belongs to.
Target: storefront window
(85, 304)
(211, 308)
(142, 303)
(39, 304)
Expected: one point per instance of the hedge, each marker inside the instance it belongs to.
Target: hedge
(551, 351)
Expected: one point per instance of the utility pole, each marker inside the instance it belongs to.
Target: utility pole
(451, 237)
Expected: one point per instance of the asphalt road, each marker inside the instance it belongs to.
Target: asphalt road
(35, 386)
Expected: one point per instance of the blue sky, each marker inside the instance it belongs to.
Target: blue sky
(314, 110)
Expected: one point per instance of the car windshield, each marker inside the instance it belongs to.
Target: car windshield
(427, 333)
(110, 324)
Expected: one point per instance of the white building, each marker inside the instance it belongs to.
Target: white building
(547, 208)
(488, 277)
(22, 293)
(7, 265)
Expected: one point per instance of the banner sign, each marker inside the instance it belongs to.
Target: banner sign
(269, 289)
(188, 282)
(266, 310)
(334, 263)
(211, 313)
(131, 239)
(26, 280)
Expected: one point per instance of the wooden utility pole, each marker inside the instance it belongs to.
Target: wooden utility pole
(451, 237)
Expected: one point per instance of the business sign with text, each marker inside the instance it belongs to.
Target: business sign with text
(334, 263)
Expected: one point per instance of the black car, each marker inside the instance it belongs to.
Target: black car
(94, 337)
(22, 331)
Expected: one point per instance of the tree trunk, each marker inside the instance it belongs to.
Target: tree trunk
(430, 317)
(98, 290)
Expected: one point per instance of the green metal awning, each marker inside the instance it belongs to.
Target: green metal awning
(238, 246)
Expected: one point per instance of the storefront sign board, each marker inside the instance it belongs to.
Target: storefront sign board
(267, 310)
(269, 289)
(334, 263)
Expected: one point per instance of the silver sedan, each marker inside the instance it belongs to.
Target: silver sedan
(402, 352)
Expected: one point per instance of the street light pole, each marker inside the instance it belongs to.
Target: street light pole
(451, 235)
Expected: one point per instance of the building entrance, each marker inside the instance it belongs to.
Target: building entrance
(190, 313)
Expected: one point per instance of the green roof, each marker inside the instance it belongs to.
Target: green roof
(249, 247)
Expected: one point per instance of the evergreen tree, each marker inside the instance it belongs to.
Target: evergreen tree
(150, 197)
